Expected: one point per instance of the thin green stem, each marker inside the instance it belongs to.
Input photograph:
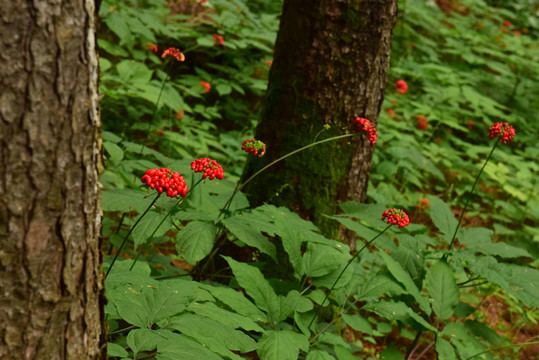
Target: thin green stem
(180, 201)
(129, 233)
(470, 196)
(155, 109)
(320, 132)
(292, 153)
(346, 267)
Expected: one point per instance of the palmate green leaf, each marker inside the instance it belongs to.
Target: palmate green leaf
(482, 330)
(282, 345)
(133, 72)
(358, 323)
(411, 261)
(195, 241)
(116, 350)
(240, 226)
(319, 355)
(380, 285)
(116, 23)
(442, 217)
(175, 346)
(256, 286)
(154, 303)
(293, 301)
(125, 200)
(121, 275)
(398, 311)
(291, 238)
(383, 242)
(234, 320)
(344, 353)
(518, 281)
(216, 336)
(391, 353)
(151, 225)
(332, 339)
(466, 344)
(328, 280)
(442, 288)
(320, 260)
(479, 240)
(404, 278)
(236, 301)
(116, 154)
(142, 340)
(445, 350)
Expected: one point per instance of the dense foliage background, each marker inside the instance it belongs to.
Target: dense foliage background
(467, 65)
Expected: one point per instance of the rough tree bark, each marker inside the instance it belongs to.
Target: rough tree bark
(329, 67)
(50, 217)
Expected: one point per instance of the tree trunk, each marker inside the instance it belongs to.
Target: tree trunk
(330, 64)
(50, 213)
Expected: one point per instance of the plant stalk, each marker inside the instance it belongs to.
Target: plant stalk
(470, 196)
(129, 233)
(346, 267)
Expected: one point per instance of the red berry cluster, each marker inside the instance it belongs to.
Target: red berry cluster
(423, 204)
(366, 125)
(401, 87)
(254, 146)
(165, 180)
(422, 122)
(206, 85)
(396, 217)
(504, 129)
(218, 39)
(210, 168)
(152, 47)
(175, 53)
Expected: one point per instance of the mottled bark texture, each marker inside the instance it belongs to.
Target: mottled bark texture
(50, 217)
(330, 65)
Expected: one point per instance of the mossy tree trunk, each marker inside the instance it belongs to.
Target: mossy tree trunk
(330, 63)
(50, 217)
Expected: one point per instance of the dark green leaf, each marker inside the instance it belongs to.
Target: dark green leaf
(358, 323)
(442, 288)
(116, 350)
(281, 345)
(216, 336)
(234, 320)
(391, 353)
(125, 200)
(442, 217)
(242, 227)
(445, 350)
(398, 311)
(195, 241)
(256, 286)
(404, 278)
(319, 355)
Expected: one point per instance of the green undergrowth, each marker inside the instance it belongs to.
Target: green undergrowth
(214, 278)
